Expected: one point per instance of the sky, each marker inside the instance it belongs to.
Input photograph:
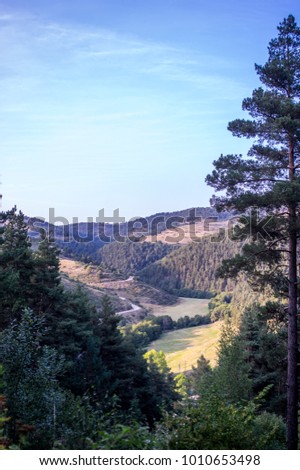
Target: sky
(124, 104)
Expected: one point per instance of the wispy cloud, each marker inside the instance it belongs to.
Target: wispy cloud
(65, 75)
(35, 46)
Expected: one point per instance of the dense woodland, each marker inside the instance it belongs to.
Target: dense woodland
(72, 377)
(130, 257)
(190, 270)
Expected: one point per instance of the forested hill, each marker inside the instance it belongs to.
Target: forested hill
(130, 257)
(192, 268)
(85, 232)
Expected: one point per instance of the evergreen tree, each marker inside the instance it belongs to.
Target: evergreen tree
(30, 380)
(231, 376)
(69, 331)
(269, 178)
(199, 374)
(16, 267)
(161, 385)
(46, 280)
(117, 372)
(263, 331)
(112, 351)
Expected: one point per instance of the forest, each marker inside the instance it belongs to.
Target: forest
(73, 376)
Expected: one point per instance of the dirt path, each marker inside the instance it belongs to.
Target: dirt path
(77, 271)
(134, 308)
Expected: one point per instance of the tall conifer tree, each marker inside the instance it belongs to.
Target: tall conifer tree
(269, 178)
(16, 266)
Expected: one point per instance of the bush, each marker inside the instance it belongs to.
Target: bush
(209, 423)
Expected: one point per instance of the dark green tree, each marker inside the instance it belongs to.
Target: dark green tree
(263, 331)
(31, 385)
(16, 267)
(269, 179)
(162, 387)
(46, 281)
(231, 376)
(199, 374)
(69, 330)
(116, 372)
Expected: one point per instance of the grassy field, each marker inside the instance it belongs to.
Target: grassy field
(185, 306)
(184, 347)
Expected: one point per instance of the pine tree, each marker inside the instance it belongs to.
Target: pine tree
(263, 331)
(46, 281)
(16, 267)
(114, 372)
(200, 370)
(269, 179)
(231, 376)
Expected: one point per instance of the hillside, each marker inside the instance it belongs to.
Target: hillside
(188, 232)
(84, 240)
(192, 268)
(123, 293)
(130, 257)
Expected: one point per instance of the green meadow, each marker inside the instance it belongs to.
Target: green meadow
(184, 347)
(184, 306)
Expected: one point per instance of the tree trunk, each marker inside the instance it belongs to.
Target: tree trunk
(292, 376)
(292, 392)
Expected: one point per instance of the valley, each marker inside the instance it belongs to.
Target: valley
(135, 300)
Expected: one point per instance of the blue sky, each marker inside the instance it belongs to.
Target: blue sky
(124, 103)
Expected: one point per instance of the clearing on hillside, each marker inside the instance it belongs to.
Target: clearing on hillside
(185, 306)
(184, 347)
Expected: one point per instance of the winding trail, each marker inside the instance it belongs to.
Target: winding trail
(134, 308)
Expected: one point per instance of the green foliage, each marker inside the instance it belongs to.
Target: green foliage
(82, 251)
(16, 267)
(263, 330)
(123, 252)
(200, 375)
(46, 282)
(231, 376)
(72, 380)
(31, 379)
(219, 306)
(162, 387)
(210, 423)
(247, 362)
(150, 329)
(127, 437)
(157, 359)
(76, 423)
(182, 385)
(144, 332)
(4, 442)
